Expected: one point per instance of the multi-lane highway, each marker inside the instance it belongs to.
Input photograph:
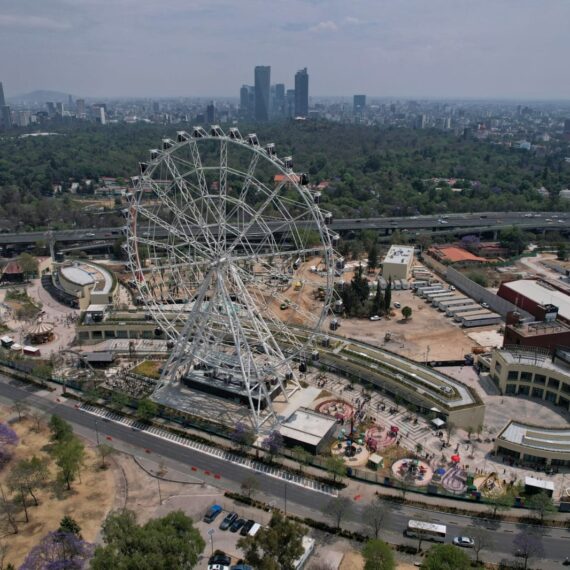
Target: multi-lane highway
(300, 500)
(452, 223)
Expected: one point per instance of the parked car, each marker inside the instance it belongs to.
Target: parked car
(397, 305)
(229, 519)
(247, 527)
(464, 541)
(237, 524)
(219, 561)
(212, 513)
(485, 305)
(375, 318)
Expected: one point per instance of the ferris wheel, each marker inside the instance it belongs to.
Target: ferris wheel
(234, 260)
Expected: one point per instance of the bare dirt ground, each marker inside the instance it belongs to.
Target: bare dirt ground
(427, 328)
(88, 502)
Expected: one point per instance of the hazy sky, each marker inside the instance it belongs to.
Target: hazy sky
(414, 48)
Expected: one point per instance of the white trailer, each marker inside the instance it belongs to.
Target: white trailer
(417, 284)
(453, 311)
(435, 294)
(435, 301)
(481, 320)
(423, 291)
(456, 301)
(459, 318)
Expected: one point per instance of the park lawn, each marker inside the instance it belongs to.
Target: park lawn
(148, 368)
(88, 502)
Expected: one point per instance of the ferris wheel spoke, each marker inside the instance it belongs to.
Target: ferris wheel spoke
(198, 218)
(245, 185)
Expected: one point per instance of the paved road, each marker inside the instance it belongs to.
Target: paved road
(453, 222)
(556, 542)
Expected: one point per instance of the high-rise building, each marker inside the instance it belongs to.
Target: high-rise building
(279, 107)
(290, 103)
(302, 93)
(211, 113)
(358, 104)
(244, 100)
(262, 87)
(51, 108)
(102, 116)
(59, 108)
(5, 113)
(566, 124)
(80, 108)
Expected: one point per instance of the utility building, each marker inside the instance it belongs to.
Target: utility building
(398, 262)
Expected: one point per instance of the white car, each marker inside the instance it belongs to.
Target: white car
(464, 541)
(375, 318)
(485, 305)
(397, 305)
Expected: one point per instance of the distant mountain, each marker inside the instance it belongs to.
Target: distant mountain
(39, 97)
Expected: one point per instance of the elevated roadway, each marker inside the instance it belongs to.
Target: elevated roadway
(447, 224)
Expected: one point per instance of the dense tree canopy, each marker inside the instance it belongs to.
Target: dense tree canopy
(165, 543)
(372, 171)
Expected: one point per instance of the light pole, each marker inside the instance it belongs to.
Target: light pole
(285, 498)
(211, 535)
(97, 430)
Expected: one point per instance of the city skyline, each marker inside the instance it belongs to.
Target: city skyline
(485, 50)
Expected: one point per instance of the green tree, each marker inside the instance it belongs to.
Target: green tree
(336, 466)
(562, 253)
(501, 503)
(337, 508)
(69, 525)
(388, 295)
(30, 474)
(21, 408)
(161, 544)
(146, 410)
(29, 264)
(541, 505)
(302, 456)
(275, 547)
(60, 429)
(373, 256)
(119, 400)
(105, 450)
(514, 239)
(378, 307)
(406, 312)
(378, 556)
(249, 486)
(446, 557)
(69, 456)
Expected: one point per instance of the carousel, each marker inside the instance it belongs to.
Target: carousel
(41, 333)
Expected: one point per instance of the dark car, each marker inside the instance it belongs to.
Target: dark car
(246, 527)
(212, 513)
(219, 561)
(237, 524)
(229, 519)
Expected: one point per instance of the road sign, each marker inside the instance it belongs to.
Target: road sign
(211, 532)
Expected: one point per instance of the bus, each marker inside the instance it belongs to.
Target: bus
(426, 531)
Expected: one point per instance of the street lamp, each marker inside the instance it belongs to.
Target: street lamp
(97, 429)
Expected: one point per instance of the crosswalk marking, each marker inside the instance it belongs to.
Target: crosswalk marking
(212, 451)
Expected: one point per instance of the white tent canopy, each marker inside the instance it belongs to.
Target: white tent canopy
(438, 422)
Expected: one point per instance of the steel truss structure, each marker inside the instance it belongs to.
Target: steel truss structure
(219, 228)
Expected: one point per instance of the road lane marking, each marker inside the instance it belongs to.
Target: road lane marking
(245, 462)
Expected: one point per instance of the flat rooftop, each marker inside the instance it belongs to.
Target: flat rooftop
(544, 439)
(399, 254)
(542, 293)
(540, 328)
(531, 358)
(307, 426)
(82, 274)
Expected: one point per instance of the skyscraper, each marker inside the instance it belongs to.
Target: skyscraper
(244, 100)
(358, 104)
(5, 114)
(302, 93)
(279, 110)
(80, 108)
(211, 113)
(262, 87)
(290, 103)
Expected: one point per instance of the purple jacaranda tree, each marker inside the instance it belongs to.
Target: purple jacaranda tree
(8, 439)
(273, 442)
(59, 551)
(528, 545)
(242, 435)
